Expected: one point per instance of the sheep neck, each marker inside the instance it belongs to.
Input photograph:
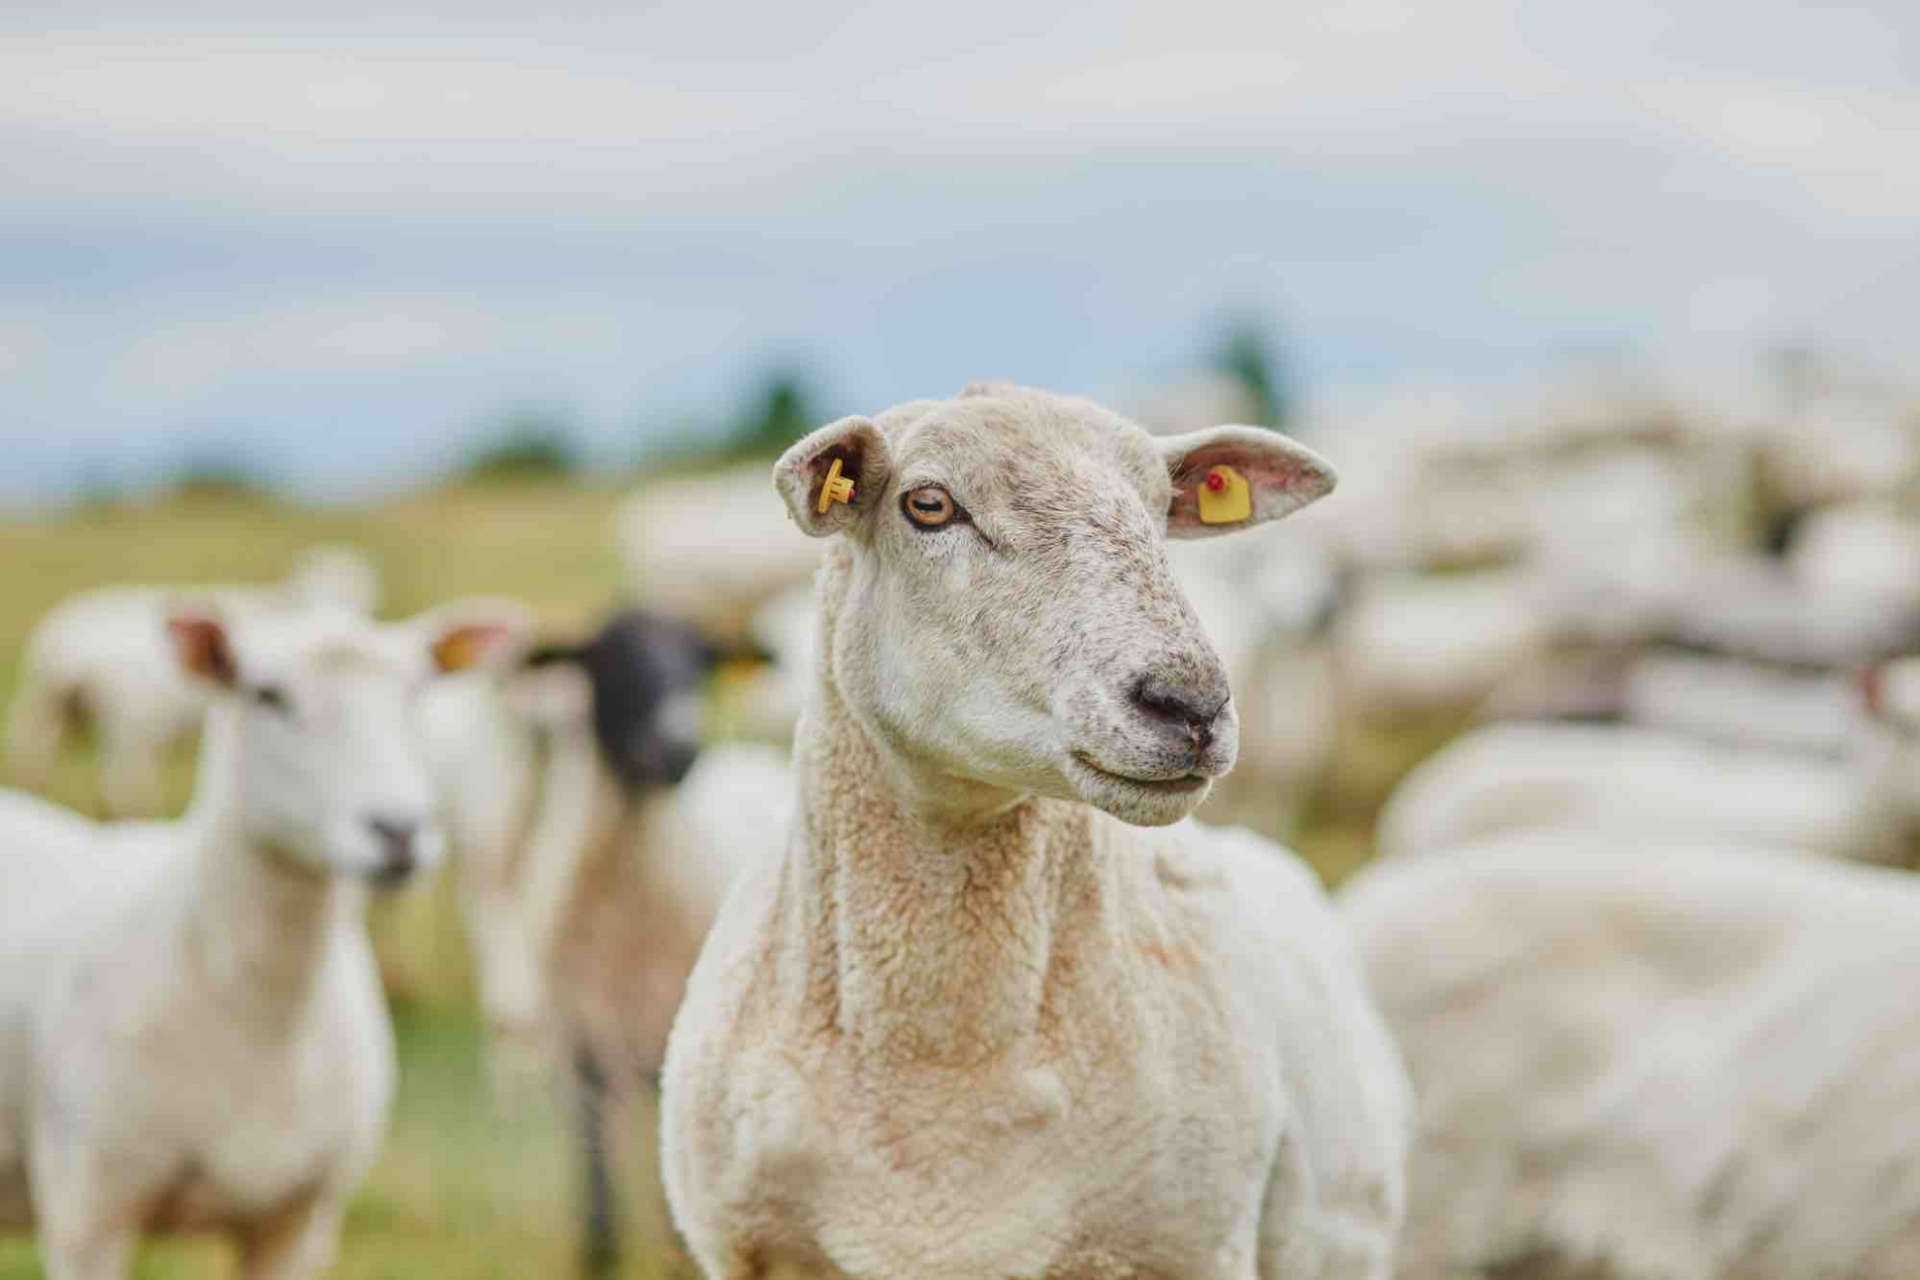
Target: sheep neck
(941, 922)
(258, 925)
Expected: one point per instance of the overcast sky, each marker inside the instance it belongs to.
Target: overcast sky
(348, 240)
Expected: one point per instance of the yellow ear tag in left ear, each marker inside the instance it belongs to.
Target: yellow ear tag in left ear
(456, 652)
(1225, 497)
(838, 488)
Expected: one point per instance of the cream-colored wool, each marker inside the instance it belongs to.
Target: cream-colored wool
(1653, 1061)
(972, 1023)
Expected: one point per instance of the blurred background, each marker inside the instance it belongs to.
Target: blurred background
(1592, 305)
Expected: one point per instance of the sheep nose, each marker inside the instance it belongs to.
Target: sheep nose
(398, 841)
(1193, 704)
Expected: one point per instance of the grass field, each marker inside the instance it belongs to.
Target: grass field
(460, 1191)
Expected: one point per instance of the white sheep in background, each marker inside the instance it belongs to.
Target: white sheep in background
(1652, 1061)
(594, 842)
(974, 1022)
(1633, 781)
(1743, 704)
(1863, 549)
(1414, 642)
(103, 655)
(705, 548)
(1725, 701)
(765, 703)
(192, 1034)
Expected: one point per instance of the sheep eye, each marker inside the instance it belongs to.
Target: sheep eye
(931, 507)
(273, 698)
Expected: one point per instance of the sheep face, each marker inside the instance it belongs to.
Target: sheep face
(316, 708)
(639, 686)
(1010, 618)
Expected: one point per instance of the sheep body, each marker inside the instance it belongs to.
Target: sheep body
(1670, 1061)
(1506, 777)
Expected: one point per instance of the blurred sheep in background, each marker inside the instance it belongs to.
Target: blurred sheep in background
(595, 838)
(102, 658)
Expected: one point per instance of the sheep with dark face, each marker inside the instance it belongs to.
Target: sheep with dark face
(595, 839)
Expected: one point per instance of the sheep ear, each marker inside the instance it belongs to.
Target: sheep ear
(471, 634)
(1231, 478)
(201, 646)
(822, 497)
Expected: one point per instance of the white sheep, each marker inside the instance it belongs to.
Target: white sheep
(593, 848)
(1507, 777)
(192, 1034)
(1425, 643)
(1863, 549)
(102, 655)
(705, 548)
(974, 1021)
(1652, 1060)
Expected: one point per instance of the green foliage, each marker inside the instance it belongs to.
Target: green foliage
(526, 446)
(1249, 354)
(215, 476)
(781, 413)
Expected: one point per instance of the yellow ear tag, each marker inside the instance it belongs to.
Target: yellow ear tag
(838, 488)
(456, 652)
(1225, 497)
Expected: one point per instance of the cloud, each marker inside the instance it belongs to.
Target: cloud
(1854, 150)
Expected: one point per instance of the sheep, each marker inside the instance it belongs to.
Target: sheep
(1415, 642)
(1727, 702)
(594, 840)
(1651, 1061)
(973, 1020)
(1507, 777)
(1865, 549)
(192, 1033)
(743, 557)
(102, 655)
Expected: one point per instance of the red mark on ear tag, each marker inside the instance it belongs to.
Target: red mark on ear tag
(1216, 481)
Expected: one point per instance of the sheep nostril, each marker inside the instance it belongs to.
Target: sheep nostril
(1191, 709)
(397, 841)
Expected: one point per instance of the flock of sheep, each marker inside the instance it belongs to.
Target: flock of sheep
(934, 977)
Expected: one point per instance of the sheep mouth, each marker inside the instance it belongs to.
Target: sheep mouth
(1182, 784)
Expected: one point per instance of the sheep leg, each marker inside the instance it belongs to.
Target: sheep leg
(600, 1254)
(296, 1245)
(100, 1254)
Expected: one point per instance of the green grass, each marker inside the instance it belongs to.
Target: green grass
(459, 1191)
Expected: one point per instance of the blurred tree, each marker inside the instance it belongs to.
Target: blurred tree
(781, 414)
(214, 474)
(528, 444)
(1249, 354)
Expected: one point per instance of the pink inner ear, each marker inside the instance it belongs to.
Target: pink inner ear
(465, 645)
(1267, 474)
(202, 646)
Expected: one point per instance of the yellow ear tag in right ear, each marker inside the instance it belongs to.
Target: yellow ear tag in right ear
(837, 488)
(1225, 497)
